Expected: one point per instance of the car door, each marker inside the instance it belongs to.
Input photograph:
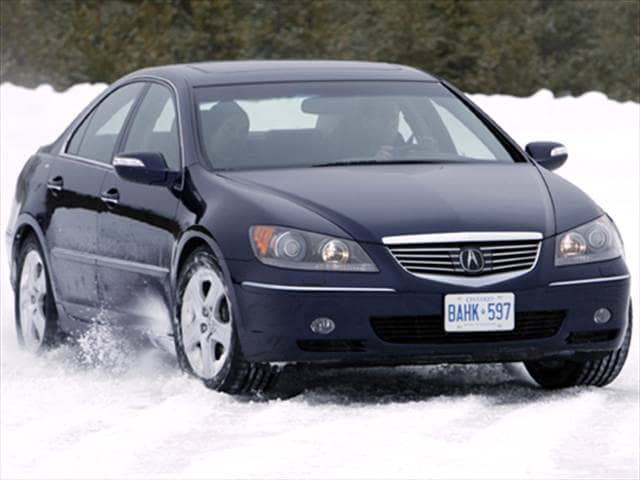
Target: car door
(73, 201)
(138, 230)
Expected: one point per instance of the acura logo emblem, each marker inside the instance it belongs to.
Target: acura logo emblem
(472, 260)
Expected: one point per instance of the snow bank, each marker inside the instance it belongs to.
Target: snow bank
(72, 414)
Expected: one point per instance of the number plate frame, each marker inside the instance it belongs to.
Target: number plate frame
(470, 318)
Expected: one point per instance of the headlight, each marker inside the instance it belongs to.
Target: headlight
(593, 242)
(290, 248)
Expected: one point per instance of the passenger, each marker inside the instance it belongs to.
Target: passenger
(226, 126)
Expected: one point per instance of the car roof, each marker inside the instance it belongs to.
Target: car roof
(256, 71)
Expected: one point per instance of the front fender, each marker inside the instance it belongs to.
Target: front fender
(572, 207)
(200, 234)
(197, 232)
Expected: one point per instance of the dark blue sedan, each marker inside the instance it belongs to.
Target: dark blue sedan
(248, 215)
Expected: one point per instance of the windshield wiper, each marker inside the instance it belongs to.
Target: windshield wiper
(368, 161)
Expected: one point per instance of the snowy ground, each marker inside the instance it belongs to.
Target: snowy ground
(72, 414)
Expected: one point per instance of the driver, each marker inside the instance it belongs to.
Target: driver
(381, 120)
(370, 130)
(226, 127)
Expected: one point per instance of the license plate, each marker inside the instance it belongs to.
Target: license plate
(479, 312)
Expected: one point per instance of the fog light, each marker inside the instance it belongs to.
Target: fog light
(323, 325)
(602, 315)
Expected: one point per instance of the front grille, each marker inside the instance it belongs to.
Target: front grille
(430, 329)
(444, 258)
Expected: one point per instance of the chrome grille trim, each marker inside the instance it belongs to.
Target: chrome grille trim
(506, 255)
(461, 237)
(526, 246)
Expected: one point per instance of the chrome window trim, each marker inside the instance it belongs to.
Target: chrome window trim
(142, 78)
(454, 237)
(590, 280)
(301, 288)
(86, 160)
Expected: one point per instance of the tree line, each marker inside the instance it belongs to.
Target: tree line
(483, 46)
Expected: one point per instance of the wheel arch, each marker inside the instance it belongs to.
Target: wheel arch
(24, 226)
(190, 240)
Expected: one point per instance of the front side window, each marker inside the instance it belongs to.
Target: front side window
(455, 118)
(154, 127)
(318, 123)
(96, 136)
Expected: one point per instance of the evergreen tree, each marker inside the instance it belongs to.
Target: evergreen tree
(488, 46)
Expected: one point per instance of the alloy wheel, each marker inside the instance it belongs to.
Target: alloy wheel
(33, 292)
(205, 320)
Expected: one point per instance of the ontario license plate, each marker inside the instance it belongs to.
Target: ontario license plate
(479, 312)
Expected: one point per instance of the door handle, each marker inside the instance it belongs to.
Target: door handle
(55, 184)
(111, 197)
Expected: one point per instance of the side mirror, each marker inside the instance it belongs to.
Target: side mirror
(149, 168)
(550, 155)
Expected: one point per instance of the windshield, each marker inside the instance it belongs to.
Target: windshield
(310, 124)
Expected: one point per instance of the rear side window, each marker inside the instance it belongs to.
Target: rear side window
(96, 136)
(154, 127)
(76, 140)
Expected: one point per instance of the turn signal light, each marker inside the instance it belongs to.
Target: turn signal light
(261, 238)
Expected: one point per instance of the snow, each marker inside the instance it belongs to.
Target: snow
(122, 413)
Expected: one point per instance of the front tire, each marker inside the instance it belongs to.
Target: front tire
(35, 309)
(206, 334)
(554, 374)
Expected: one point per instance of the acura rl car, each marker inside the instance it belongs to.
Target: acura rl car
(250, 215)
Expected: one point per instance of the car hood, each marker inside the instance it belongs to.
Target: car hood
(371, 202)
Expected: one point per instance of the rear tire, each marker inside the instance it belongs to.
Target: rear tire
(205, 331)
(554, 374)
(35, 309)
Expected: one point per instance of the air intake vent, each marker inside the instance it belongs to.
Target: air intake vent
(331, 345)
(593, 336)
(430, 329)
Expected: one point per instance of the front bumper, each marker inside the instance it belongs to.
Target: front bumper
(274, 324)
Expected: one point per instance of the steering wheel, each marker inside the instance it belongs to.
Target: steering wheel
(427, 144)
